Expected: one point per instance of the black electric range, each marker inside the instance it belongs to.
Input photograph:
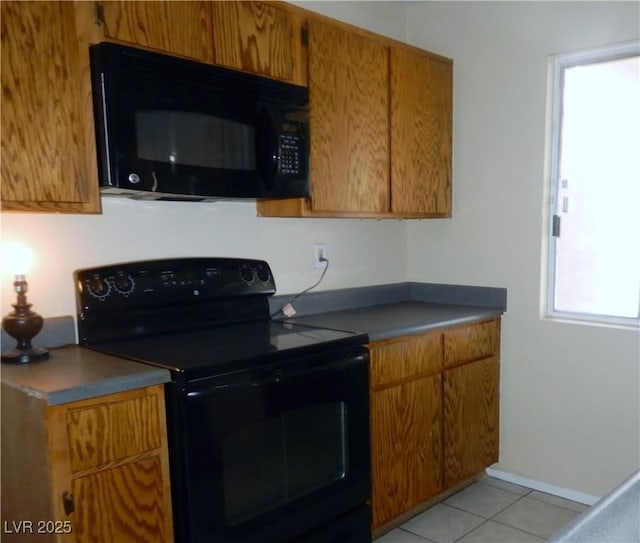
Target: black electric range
(267, 419)
(193, 316)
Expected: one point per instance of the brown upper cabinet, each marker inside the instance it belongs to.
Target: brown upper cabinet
(421, 120)
(48, 149)
(380, 110)
(381, 125)
(177, 28)
(348, 96)
(260, 38)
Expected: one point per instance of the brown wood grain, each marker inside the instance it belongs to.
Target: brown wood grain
(259, 38)
(108, 432)
(123, 504)
(348, 97)
(48, 151)
(421, 133)
(114, 461)
(396, 360)
(180, 28)
(406, 446)
(471, 342)
(471, 419)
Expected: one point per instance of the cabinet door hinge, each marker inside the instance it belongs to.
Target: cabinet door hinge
(99, 13)
(304, 36)
(555, 226)
(67, 502)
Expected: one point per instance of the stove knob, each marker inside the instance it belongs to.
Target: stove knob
(124, 284)
(98, 288)
(263, 274)
(246, 273)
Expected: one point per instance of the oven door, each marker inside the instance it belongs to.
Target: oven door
(276, 452)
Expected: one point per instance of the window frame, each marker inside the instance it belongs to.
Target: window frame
(557, 66)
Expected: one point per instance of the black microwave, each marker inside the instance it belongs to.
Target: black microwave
(171, 128)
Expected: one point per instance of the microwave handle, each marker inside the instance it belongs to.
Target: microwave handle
(267, 147)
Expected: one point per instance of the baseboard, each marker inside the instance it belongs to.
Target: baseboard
(567, 493)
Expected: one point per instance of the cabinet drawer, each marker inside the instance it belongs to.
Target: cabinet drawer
(110, 431)
(471, 342)
(401, 359)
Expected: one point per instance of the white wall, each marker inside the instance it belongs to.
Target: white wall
(361, 252)
(386, 18)
(570, 398)
(133, 230)
(570, 412)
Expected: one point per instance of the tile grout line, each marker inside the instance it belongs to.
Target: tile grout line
(558, 505)
(521, 529)
(415, 535)
(519, 495)
(472, 529)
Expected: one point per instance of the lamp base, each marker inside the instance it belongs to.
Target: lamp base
(18, 356)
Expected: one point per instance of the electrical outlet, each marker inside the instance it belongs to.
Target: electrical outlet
(319, 251)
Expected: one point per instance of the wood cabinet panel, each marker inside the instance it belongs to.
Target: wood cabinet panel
(400, 359)
(136, 515)
(471, 342)
(471, 413)
(406, 446)
(181, 28)
(48, 148)
(348, 97)
(110, 432)
(421, 132)
(259, 38)
(120, 491)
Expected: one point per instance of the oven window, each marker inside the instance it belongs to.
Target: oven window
(283, 458)
(193, 139)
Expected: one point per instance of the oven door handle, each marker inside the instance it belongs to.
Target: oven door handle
(259, 377)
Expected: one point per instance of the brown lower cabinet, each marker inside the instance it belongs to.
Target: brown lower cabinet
(93, 470)
(434, 414)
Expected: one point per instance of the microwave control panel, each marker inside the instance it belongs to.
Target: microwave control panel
(290, 151)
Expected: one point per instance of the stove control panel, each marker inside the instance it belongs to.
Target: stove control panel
(132, 285)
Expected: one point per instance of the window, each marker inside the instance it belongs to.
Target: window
(594, 218)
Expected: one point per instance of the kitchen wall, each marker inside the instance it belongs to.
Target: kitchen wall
(570, 412)
(570, 393)
(361, 252)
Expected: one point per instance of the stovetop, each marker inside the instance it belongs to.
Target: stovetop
(194, 316)
(220, 349)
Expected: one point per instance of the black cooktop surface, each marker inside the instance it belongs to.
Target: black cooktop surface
(210, 351)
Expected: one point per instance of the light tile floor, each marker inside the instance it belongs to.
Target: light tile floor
(488, 511)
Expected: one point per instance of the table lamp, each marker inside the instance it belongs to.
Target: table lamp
(22, 324)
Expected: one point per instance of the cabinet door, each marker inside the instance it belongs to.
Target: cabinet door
(348, 97)
(421, 128)
(48, 142)
(406, 447)
(178, 28)
(471, 411)
(259, 38)
(123, 504)
(112, 461)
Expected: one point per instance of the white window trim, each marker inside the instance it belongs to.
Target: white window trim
(557, 64)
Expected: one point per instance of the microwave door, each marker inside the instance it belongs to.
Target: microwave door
(267, 149)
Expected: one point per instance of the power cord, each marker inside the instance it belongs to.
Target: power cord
(281, 310)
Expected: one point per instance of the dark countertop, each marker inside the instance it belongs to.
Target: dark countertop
(385, 321)
(383, 311)
(75, 373)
